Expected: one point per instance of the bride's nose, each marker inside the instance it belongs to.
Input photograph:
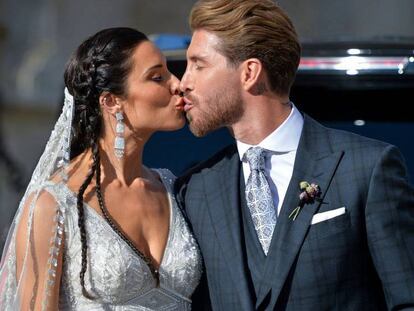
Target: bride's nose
(175, 85)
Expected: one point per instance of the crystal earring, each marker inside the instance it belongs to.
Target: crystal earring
(119, 145)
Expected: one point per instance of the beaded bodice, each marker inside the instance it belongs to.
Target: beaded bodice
(116, 275)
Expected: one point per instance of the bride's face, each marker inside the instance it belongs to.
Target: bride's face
(152, 101)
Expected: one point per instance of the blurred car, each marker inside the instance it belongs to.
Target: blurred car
(363, 87)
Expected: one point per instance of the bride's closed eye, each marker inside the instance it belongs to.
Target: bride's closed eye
(158, 78)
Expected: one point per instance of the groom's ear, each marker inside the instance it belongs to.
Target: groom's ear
(253, 76)
(109, 103)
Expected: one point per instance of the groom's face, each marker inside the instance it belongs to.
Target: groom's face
(211, 86)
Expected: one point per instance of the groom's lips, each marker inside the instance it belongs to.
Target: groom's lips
(187, 104)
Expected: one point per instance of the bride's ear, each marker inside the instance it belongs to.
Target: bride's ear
(109, 103)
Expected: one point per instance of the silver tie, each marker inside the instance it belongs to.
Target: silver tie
(259, 198)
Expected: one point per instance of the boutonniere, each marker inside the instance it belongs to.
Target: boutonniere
(310, 193)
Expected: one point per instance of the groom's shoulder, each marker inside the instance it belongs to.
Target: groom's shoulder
(339, 140)
(215, 161)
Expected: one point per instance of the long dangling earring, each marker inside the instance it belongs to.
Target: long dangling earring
(119, 146)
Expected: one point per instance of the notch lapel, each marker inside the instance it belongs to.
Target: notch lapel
(222, 192)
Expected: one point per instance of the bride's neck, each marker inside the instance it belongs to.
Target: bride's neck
(126, 169)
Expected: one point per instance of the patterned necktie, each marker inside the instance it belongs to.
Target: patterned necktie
(259, 198)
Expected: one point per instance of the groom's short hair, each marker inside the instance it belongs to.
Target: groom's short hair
(252, 29)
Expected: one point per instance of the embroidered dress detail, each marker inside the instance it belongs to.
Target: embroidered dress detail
(116, 275)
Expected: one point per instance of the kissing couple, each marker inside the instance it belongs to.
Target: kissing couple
(292, 216)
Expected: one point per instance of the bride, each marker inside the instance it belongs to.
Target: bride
(96, 229)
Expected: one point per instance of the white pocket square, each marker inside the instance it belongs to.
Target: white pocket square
(327, 215)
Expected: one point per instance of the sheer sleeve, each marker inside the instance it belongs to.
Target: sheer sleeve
(34, 259)
(31, 262)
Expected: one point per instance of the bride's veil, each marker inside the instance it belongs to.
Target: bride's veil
(36, 234)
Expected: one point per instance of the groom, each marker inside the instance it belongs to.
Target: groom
(293, 216)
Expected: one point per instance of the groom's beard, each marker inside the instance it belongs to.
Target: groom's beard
(218, 110)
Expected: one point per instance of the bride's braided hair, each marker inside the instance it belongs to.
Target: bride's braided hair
(101, 63)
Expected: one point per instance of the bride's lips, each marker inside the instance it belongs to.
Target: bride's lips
(180, 104)
(187, 104)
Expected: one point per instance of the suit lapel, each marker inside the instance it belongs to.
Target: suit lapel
(314, 164)
(222, 192)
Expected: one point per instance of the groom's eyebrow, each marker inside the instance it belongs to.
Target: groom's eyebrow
(197, 58)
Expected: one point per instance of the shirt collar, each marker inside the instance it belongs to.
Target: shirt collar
(283, 139)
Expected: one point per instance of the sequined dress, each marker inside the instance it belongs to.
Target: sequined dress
(115, 274)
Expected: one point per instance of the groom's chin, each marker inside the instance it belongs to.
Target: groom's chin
(197, 128)
(201, 125)
(196, 131)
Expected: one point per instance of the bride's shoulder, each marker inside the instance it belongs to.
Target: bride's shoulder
(166, 175)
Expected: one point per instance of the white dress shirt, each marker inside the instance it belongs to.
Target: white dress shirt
(282, 145)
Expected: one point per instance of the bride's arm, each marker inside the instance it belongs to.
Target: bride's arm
(38, 271)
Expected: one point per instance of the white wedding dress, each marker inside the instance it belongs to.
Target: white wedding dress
(118, 278)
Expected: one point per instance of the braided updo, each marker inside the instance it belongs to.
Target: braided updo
(101, 63)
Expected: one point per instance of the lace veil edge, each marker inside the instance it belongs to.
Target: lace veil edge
(30, 261)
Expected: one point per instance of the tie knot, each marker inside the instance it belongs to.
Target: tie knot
(256, 158)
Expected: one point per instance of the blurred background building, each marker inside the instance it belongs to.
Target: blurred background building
(37, 38)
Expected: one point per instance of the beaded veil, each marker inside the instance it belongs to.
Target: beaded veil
(33, 248)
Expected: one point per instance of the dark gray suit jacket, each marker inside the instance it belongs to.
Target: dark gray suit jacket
(361, 260)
